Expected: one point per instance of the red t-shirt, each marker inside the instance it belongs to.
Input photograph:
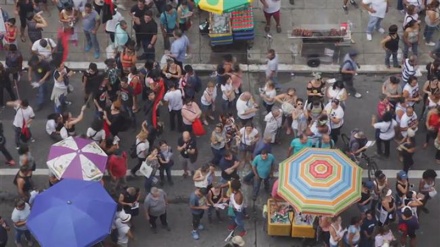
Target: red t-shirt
(117, 165)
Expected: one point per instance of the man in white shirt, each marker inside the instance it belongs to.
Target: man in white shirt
(377, 10)
(246, 108)
(19, 217)
(335, 114)
(24, 116)
(44, 48)
(174, 100)
(123, 227)
(110, 25)
(408, 120)
(272, 68)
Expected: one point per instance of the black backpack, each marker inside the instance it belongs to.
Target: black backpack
(133, 150)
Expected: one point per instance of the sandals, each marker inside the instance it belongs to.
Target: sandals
(267, 28)
(279, 29)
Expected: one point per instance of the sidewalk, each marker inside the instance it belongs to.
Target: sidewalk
(304, 12)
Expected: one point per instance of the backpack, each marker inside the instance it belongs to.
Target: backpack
(13, 61)
(133, 150)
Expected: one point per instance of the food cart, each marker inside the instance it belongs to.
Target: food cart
(283, 221)
(321, 42)
(229, 27)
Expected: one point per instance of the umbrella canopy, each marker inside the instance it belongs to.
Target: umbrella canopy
(77, 158)
(320, 181)
(72, 213)
(222, 6)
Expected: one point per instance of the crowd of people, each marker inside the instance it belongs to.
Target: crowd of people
(127, 97)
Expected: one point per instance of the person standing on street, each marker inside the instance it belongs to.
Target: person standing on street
(155, 206)
(348, 71)
(173, 98)
(432, 20)
(187, 147)
(24, 116)
(168, 23)
(246, 108)
(391, 45)
(39, 71)
(91, 22)
(4, 229)
(262, 170)
(5, 83)
(190, 112)
(271, 8)
(19, 217)
(137, 13)
(127, 100)
(198, 204)
(179, 47)
(148, 35)
(411, 38)
(377, 10)
(272, 68)
(236, 210)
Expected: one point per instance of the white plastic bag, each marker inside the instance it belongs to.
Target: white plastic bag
(110, 51)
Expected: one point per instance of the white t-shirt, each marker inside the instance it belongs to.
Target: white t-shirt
(242, 106)
(379, 240)
(174, 99)
(142, 148)
(97, 136)
(380, 6)
(336, 94)
(213, 95)
(271, 95)
(338, 113)
(122, 231)
(272, 6)
(407, 121)
(21, 114)
(21, 215)
(272, 65)
(51, 126)
(59, 84)
(224, 88)
(248, 138)
(110, 25)
(386, 129)
(44, 51)
(413, 92)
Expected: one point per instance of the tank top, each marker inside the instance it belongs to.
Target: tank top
(237, 207)
(432, 89)
(216, 197)
(338, 232)
(185, 11)
(204, 183)
(400, 194)
(11, 33)
(413, 36)
(315, 89)
(126, 57)
(34, 32)
(27, 182)
(393, 44)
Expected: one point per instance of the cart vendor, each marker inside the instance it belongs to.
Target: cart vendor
(274, 193)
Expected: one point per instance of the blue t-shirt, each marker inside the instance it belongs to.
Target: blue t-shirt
(263, 166)
(178, 48)
(89, 21)
(196, 201)
(297, 145)
(169, 21)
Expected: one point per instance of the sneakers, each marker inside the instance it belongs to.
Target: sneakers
(358, 95)
(381, 30)
(369, 37)
(195, 235)
(96, 55)
(345, 8)
(430, 43)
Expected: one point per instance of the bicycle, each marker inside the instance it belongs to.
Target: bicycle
(362, 159)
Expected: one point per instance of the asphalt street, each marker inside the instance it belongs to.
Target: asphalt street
(357, 115)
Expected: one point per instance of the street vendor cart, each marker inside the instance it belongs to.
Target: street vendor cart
(321, 42)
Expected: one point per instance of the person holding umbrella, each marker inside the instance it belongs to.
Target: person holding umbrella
(19, 216)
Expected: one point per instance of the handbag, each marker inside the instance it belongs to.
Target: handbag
(231, 212)
(25, 133)
(146, 170)
(197, 127)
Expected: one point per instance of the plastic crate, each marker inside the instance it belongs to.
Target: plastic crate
(274, 229)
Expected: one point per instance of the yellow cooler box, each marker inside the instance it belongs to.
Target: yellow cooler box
(278, 219)
(302, 226)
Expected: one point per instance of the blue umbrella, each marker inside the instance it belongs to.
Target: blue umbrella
(72, 213)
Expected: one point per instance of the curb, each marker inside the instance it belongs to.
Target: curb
(253, 68)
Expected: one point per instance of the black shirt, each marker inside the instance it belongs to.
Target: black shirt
(191, 144)
(92, 82)
(127, 96)
(225, 164)
(4, 78)
(3, 235)
(139, 13)
(41, 69)
(25, 7)
(101, 96)
(148, 30)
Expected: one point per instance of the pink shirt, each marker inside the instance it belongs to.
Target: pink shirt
(274, 191)
(189, 114)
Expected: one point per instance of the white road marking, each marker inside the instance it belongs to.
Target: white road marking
(176, 173)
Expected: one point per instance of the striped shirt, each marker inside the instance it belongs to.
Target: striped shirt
(407, 71)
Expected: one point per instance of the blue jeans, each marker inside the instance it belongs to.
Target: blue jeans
(59, 109)
(42, 94)
(92, 40)
(237, 221)
(388, 54)
(276, 83)
(250, 177)
(414, 47)
(19, 233)
(218, 154)
(373, 24)
(429, 31)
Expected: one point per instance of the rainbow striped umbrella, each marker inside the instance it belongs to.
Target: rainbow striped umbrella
(222, 6)
(320, 181)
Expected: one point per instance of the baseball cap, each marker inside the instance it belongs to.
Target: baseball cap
(402, 175)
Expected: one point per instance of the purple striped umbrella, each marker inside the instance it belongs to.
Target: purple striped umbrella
(77, 158)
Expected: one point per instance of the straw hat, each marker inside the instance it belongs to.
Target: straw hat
(238, 241)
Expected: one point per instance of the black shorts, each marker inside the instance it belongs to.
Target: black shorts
(325, 237)
(22, 21)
